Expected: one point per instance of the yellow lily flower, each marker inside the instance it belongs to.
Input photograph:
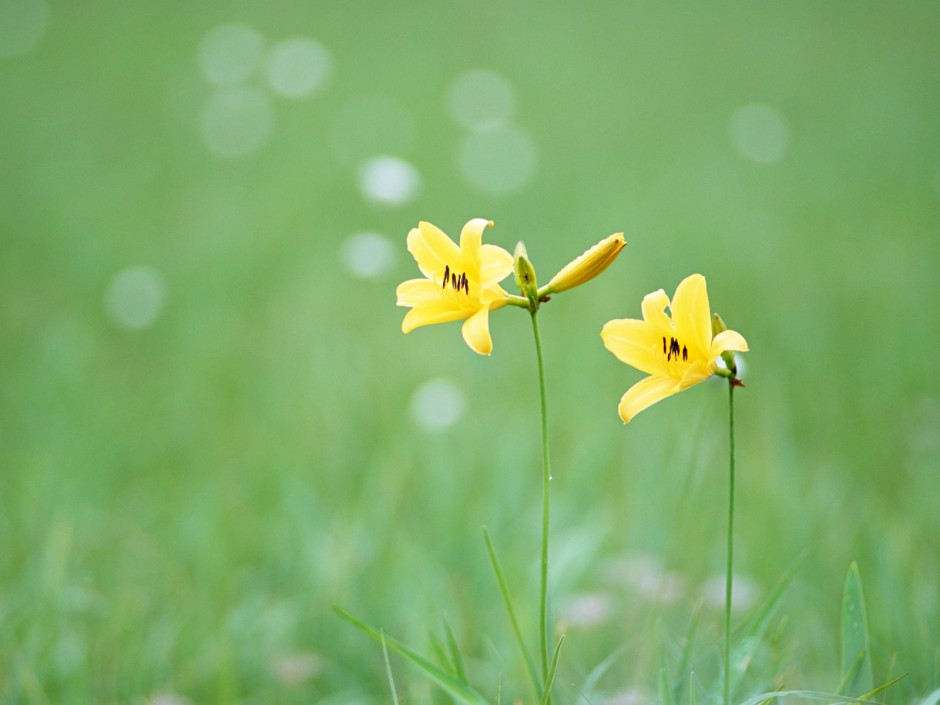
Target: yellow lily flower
(676, 352)
(461, 282)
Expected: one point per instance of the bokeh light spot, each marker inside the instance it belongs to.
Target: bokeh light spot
(437, 404)
(135, 297)
(297, 67)
(368, 254)
(760, 133)
(229, 53)
(481, 99)
(497, 161)
(22, 25)
(374, 124)
(237, 121)
(389, 181)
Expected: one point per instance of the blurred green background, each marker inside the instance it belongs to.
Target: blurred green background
(212, 428)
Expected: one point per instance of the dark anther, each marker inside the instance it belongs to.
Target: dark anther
(455, 281)
(664, 345)
(673, 349)
(685, 354)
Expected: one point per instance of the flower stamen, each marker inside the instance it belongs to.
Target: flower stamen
(457, 283)
(675, 350)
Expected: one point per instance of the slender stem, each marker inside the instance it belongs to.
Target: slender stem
(728, 577)
(546, 490)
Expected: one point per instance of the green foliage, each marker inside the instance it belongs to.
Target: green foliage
(856, 649)
(181, 503)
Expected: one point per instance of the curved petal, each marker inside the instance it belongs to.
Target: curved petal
(645, 393)
(417, 291)
(692, 316)
(476, 332)
(698, 371)
(471, 237)
(654, 310)
(635, 343)
(728, 340)
(495, 264)
(432, 250)
(431, 312)
(493, 296)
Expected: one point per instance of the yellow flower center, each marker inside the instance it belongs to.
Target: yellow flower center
(674, 350)
(456, 282)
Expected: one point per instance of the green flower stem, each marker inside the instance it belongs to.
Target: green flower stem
(546, 494)
(728, 577)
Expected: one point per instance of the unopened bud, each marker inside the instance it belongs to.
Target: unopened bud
(525, 275)
(588, 265)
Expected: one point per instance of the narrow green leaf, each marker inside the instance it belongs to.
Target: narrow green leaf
(747, 646)
(806, 695)
(550, 678)
(691, 687)
(388, 670)
(665, 686)
(459, 690)
(590, 683)
(856, 649)
(455, 655)
(686, 653)
(885, 686)
(507, 600)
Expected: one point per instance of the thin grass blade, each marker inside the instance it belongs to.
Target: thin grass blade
(456, 688)
(455, 655)
(806, 695)
(664, 682)
(550, 678)
(884, 686)
(507, 600)
(742, 654)
(388, 670)
(856, 650)
(686, 655)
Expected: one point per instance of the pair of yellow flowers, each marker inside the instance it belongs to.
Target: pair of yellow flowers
(461, 282)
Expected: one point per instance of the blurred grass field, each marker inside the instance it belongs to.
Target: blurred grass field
(209, 428)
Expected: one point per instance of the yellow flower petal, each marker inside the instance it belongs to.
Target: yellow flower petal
(692, 316)
(433, 250)
(728, 340)
(471, 237)
(495, 264)
(654, 311)
(698, 371)
(636, 343)
(476, 332)
(644, 394)
(429, 313)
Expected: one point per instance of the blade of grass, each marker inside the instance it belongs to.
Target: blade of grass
(388, 670)
(455, 656)
(507, 600)
(598, 672)
(884, 686)
(686, 652)
(454, 686)
(742, 655)
(665, 687)
(806, 695)
(550, 677)
(856, 650)
(692, 688)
